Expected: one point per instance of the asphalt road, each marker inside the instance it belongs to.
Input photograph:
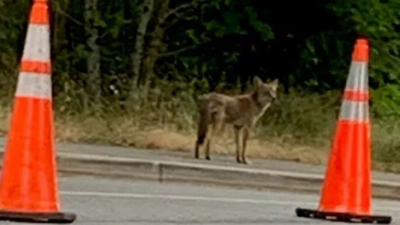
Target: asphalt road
(108, 201)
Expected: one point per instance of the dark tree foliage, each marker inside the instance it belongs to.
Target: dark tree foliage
(210, 44)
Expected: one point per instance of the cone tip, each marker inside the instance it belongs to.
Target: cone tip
(362, 41)
(40, 14)
(361, 49)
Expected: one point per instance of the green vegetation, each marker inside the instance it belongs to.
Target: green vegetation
(129, 72)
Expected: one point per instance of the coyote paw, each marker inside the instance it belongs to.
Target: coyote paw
(246, 161)
(208, 158)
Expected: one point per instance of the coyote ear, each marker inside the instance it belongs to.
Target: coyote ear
(274, 83)
(257, 81)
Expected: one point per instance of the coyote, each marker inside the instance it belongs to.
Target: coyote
(242, 112)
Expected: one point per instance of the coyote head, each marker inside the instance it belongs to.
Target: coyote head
(265, 93)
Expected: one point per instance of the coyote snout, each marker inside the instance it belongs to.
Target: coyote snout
(242, 112)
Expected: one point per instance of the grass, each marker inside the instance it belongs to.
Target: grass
(300, 128)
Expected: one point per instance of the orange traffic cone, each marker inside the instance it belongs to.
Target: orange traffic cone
(346, 194)
(28, 184)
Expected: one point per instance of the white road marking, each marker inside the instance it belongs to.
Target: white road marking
(393, 206)
(180, 197)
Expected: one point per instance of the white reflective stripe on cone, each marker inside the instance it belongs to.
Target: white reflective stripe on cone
(358, 76)
(34, 85)
(37, 43)
(354, 111)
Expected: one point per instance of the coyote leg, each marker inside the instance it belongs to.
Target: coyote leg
(239, 144)
(245, 137)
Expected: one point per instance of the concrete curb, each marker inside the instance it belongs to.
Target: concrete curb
(167, 171)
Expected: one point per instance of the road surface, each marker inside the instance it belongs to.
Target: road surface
(108, 201)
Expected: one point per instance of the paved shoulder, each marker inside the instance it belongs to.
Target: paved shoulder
(117, 201)
(169, 166)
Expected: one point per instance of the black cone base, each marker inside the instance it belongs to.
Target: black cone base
(343, 217)
(37, 217)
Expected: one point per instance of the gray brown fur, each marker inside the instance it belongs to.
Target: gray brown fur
(241, 111)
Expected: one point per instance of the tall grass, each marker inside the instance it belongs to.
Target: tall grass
(299, 127)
